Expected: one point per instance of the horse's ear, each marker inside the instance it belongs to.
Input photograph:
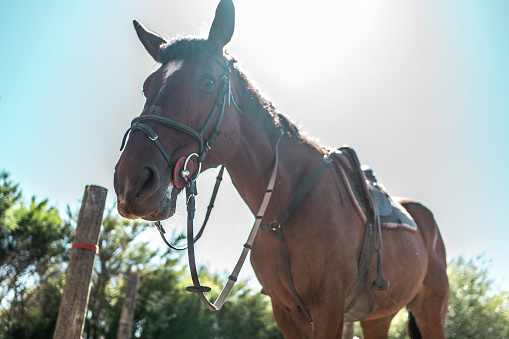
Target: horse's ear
(150, 40)
(221, 30)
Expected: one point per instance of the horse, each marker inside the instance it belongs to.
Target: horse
(201, 108)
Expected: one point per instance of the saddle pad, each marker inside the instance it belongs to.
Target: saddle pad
(399, 218)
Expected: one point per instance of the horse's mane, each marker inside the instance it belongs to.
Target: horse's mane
(185, 48)
(264, 109)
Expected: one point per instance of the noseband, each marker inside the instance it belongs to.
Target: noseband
(224, 95)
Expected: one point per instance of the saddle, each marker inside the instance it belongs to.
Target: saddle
(373, 205)
(377, 209)
(392, 213)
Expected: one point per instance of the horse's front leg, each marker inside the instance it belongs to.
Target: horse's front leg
(327, 317)
(293, 324)
(326, 312)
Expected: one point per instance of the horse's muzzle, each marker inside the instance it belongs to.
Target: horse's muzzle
(144, 193)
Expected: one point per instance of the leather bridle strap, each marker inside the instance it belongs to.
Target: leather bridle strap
(160, 227)
(151, 135)
(224, 95)
(232, 279)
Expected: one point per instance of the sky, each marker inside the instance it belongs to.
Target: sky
(419, 89)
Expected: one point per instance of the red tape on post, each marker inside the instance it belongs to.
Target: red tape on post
(84, 245)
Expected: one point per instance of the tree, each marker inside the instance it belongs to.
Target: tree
(477, 308)
(166, 310)
(119, 253)
(247, 314)
(34, 252)
(163, 308)
(33, 243)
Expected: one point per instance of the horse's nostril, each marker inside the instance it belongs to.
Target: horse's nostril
(150, 184)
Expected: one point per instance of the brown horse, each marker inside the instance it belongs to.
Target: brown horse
(194, 105)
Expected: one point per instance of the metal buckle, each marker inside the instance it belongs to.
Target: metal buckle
(185, 173)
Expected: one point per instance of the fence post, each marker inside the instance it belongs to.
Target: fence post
(126, 317)
(73, 306)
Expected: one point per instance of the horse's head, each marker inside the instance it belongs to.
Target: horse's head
(187, 106)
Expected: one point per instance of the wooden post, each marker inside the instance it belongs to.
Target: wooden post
(126, 317)
(73, 306)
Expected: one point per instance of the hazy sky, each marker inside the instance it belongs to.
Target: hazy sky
(419, 88)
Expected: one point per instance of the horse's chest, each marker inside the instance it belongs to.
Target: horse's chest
(269, 265)
(304, 258)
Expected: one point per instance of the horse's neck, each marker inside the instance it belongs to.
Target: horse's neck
(252, 166)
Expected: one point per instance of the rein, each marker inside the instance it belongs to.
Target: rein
(232, 279)
(161, 230)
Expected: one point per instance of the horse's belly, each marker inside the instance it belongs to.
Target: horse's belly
(405, 262)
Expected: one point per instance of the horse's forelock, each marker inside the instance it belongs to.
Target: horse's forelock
(183, 48)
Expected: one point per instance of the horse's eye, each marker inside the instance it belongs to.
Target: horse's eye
(207, 83)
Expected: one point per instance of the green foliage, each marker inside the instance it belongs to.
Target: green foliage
(163, 308)
(246, 315)
(476, 308)
(34, 251)
(32, 248)
(172, 312)
(9, 196)
(119, 253)
(34, 314)
(31, 243)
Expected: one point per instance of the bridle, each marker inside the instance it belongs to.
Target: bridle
(224, 96)
(185, 172)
